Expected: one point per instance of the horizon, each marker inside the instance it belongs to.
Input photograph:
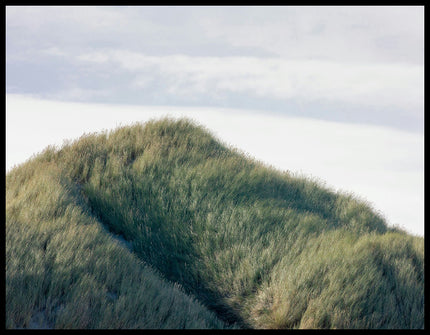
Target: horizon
(386, 169)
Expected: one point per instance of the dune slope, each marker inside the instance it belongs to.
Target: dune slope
(213, 239)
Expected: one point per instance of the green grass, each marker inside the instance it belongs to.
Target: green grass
(64, 270)
(217, 240)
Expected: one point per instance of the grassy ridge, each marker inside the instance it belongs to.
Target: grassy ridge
(258, 247)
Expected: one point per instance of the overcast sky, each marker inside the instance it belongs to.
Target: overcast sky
(336, 92)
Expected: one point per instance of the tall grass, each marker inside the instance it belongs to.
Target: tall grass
(258, 247)
(64, 270)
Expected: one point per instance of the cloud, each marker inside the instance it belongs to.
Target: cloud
(78, 94)
(54, 51)
(380, 85)
(351, 33)
(342, 63)
(381, 165)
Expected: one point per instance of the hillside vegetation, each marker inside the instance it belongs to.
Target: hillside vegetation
(160, 225)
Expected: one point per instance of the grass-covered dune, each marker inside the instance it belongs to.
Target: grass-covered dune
(160, 225)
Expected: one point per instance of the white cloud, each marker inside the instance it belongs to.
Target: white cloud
(332, 60)
(78, 94)
(382, 165)
(362, 34)
(351, 33)
(94, 57)
(54, 51)
(382, 85)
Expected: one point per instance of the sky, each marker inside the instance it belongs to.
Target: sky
(335, 93)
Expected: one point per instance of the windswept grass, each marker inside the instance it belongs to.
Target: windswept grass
(64, 270)
(257, 247)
